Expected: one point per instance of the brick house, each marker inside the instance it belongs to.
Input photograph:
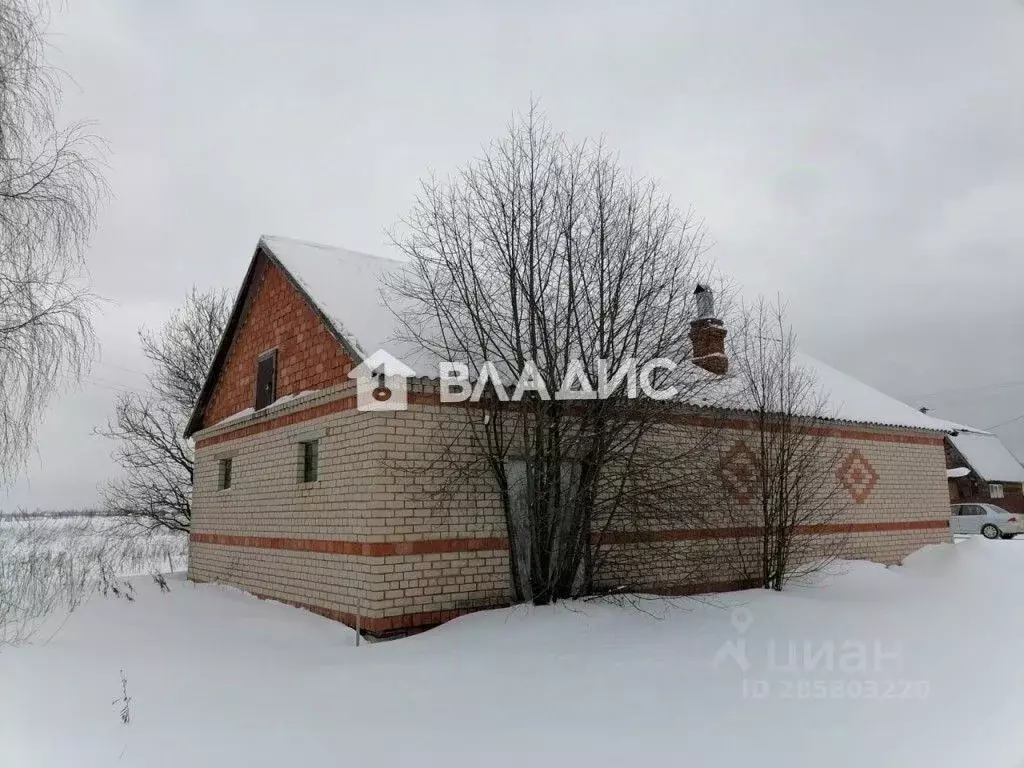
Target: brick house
(303, 498)
(980, 468)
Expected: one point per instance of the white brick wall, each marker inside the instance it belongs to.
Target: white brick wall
(406, 477)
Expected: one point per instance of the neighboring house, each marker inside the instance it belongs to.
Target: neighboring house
(980, 468)
(301, 497)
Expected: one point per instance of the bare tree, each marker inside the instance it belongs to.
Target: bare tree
(157, 462)
(782, 488)
(50, 188)
(546, 256)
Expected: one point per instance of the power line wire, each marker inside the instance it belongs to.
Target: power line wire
(956, 390)
(115, 386)
(121, 367)
(1008, 421)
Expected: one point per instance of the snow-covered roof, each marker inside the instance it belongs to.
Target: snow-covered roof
(349, 289)
(988, 457)
(953, 426)
(840, 396)
(851, 400)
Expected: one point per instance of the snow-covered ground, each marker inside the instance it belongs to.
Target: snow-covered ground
(911, 666)
(49, 565)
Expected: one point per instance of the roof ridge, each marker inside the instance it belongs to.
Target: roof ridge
(269, 239)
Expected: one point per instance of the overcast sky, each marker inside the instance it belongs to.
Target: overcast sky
(866, 159)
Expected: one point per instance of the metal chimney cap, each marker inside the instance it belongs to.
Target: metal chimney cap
(705, 302)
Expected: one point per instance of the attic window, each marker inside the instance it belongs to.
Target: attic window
(266, 379)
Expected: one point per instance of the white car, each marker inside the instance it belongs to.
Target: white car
(990, 521)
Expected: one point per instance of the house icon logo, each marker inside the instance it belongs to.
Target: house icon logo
(381, 383)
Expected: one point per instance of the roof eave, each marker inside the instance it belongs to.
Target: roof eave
(265, 250)
(195, 419)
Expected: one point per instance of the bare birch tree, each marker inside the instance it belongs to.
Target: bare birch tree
(50, 188)
(546, 256)
(157, 462)
(784, 494)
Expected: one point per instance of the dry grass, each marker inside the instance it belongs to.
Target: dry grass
(50, 565)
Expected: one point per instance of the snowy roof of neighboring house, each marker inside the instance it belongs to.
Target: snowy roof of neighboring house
(988, 457)
(349, 290)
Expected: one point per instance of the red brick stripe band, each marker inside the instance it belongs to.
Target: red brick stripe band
(360, 548)
(741, 532)
(495, 544)
(314, 412)
(842, 432)
(415, 398)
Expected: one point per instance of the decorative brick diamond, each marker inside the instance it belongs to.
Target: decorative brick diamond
(739, 470)
(857, 476)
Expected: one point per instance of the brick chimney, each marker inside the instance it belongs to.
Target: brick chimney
(707, 334)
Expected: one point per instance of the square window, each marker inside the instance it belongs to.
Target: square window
(310, 460)
(995, 491)
(266, 379)
(224, 474)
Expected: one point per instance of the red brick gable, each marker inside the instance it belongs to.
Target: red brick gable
(276, 315)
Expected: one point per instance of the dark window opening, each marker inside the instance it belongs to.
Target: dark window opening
(266, 379)
(310, 460)
(225, 474)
